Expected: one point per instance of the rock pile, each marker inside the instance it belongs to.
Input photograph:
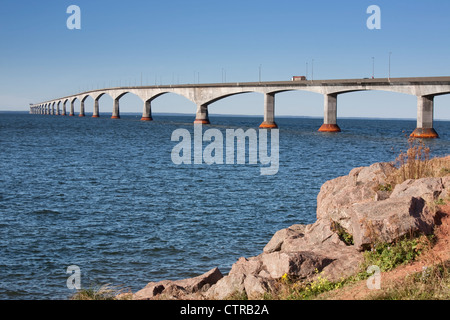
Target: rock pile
(353, 213)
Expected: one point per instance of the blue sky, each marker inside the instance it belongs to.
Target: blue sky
(185, 41)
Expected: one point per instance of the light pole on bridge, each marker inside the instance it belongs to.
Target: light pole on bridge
(260, 72)
(373, 67)
(390, 53)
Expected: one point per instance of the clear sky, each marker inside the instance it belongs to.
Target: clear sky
(122, 42)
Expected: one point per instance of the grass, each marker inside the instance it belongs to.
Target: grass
(388, 256)
(104, 292)
(433, 283)
(416, 163)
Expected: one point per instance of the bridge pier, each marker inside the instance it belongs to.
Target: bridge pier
(116, 112)
(425, 114)
(81, 109)
(57, 109)
(269, 112)
(202, 114)
(147, 111)
(96, 109)
(63, 108)
(72, 108)
(330, 114)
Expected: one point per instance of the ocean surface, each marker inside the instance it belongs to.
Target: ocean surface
(104, 195)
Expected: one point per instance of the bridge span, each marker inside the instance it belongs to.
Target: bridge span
(424, 88)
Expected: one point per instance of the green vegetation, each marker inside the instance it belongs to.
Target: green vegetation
(388, 256)
(292, 290)
(385, 187)
(343, 234)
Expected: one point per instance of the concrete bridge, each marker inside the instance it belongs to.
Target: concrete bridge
(425, 89)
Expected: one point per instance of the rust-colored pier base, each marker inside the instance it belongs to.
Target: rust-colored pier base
(268, 125)
(71, 115)
(146, 119)
(81, 115)
(115, 117)
(201, 121)
(95, 116)
(425, 133)
(329, 128)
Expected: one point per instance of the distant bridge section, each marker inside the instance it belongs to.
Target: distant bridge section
(425, 89)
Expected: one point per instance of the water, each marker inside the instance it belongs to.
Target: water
(104, 195)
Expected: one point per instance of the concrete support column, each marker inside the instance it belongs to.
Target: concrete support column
(330, 114)
(425, 114)
(116, 112)
(147, 111)
(81, 109)
(52, 110)
(96, 113)
(72, 108)
(57, 109)
(202, 114)
(63, 108)
(269, 112)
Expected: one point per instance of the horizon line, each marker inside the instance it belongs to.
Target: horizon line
(245, 115)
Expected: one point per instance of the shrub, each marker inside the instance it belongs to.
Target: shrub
(387, 256)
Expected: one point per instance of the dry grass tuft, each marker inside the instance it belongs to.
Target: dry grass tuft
(416, 163)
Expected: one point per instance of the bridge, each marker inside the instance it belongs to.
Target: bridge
(424, 88)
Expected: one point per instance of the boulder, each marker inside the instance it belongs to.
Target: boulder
(389, 220)
(361, 185)
(356, 204)
(430, 188)
(279, 238)
(169, 289)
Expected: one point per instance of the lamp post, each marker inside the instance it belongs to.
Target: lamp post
(373, 67)
(390, 53)
(260, 72)
(307, 70)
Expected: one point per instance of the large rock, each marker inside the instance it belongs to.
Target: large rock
(320, 238)
(300, 251)
(360, 185)
(430, 188)
(356, 205)
(388, 220)
(169, 289)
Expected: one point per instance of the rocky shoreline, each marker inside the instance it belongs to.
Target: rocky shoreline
(353, 213)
